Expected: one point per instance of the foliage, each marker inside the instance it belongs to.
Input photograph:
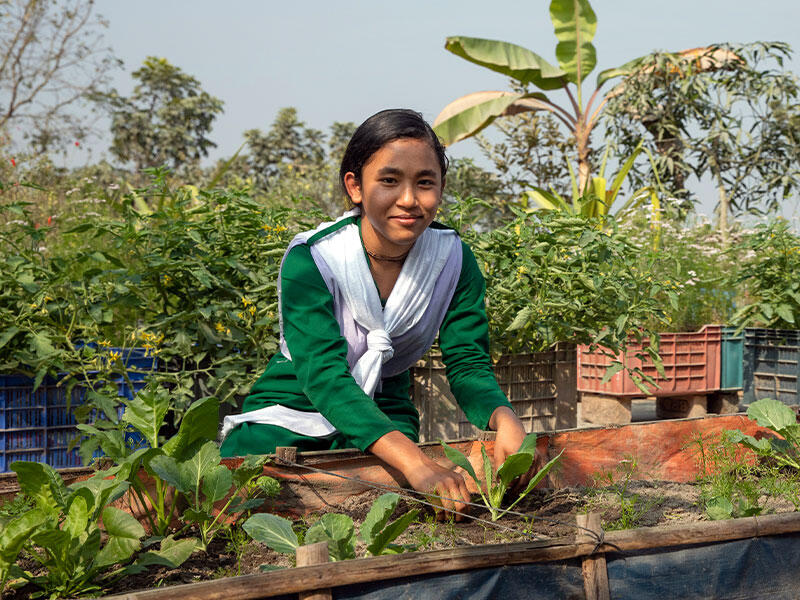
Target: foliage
(187, 274)
(691, 260)
(783, 450)
(165, 121)
(574, 23)
(597, 199)
(496, 483)
(553, 277)
(292, 162)
(62, 533)
(186, 469)
(53, 55)
(337, 530)
(768, 263)
(530, 150)
(732, 484)
(736, 123)
(617, 480)
(467, 182)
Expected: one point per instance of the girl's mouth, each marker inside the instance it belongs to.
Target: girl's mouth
(405, 219)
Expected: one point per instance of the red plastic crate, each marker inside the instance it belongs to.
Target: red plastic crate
(691, 365)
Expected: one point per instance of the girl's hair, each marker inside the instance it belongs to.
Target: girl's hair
(384, 127)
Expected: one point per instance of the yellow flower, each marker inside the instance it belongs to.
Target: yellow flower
(240, 315)
(114, 356)
(165, 279)
(105, 344)
(220, 327)
(246, 302)
(252, 309)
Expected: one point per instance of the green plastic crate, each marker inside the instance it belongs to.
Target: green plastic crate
(732, 356)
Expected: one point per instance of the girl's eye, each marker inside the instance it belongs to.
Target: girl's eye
(427, 182)
(388, 180)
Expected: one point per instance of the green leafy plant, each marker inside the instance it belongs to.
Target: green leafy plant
(64, 535)
(783, 450)
(203, 481)
(690, 259)
(769, 275)
(338, 530)
(495, 484)
(574, 25)
(187, 466)
(733, 483)
(598, 198)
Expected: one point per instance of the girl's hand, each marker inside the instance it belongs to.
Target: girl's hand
(433, 478)
(423, 473)
(510, 434)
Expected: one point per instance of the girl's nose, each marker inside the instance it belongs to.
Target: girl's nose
(407, 196)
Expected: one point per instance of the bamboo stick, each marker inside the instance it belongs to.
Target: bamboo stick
(293, 581)
(314, 554)
(595, 572)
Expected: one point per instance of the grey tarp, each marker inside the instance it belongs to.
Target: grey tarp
(764, 567)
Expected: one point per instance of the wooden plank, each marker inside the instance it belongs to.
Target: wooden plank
(380, 568)
(594, 569)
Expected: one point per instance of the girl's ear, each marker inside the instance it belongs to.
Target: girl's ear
(353, 187)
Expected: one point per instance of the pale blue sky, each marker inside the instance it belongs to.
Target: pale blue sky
(343, 60)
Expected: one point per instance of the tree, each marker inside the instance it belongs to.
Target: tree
(52, 55)
(738, 125)
(293, 162)
(531, 150)
(166, 119)
(287, 143)
(574, 23)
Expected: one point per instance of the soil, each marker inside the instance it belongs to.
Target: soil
(545, 514)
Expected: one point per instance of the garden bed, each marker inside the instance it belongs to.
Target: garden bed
(636, 476)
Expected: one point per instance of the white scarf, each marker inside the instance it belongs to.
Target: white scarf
(343, 254)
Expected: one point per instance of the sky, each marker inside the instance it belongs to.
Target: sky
(343, 60)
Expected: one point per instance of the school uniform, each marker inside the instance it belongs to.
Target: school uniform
(309, 397)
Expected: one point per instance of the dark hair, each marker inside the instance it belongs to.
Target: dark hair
(384, 127)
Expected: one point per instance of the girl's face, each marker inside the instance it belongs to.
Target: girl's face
(399, 193)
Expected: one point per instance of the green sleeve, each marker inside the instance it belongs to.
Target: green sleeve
(464, 340)
(319, 353)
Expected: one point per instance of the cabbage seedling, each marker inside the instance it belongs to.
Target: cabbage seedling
(496, 483)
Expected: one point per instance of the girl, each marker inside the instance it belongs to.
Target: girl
(361, 300)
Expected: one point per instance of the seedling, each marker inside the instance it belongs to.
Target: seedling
(337, 530)
(496, 483)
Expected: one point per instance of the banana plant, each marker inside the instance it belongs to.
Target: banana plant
(574, 24)
(598, 198)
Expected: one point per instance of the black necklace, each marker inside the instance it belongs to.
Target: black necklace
(387, 258)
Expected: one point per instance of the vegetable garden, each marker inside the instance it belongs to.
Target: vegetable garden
(137, 310)
(163, 497)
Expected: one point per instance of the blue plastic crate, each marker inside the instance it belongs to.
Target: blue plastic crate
(40, 425)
